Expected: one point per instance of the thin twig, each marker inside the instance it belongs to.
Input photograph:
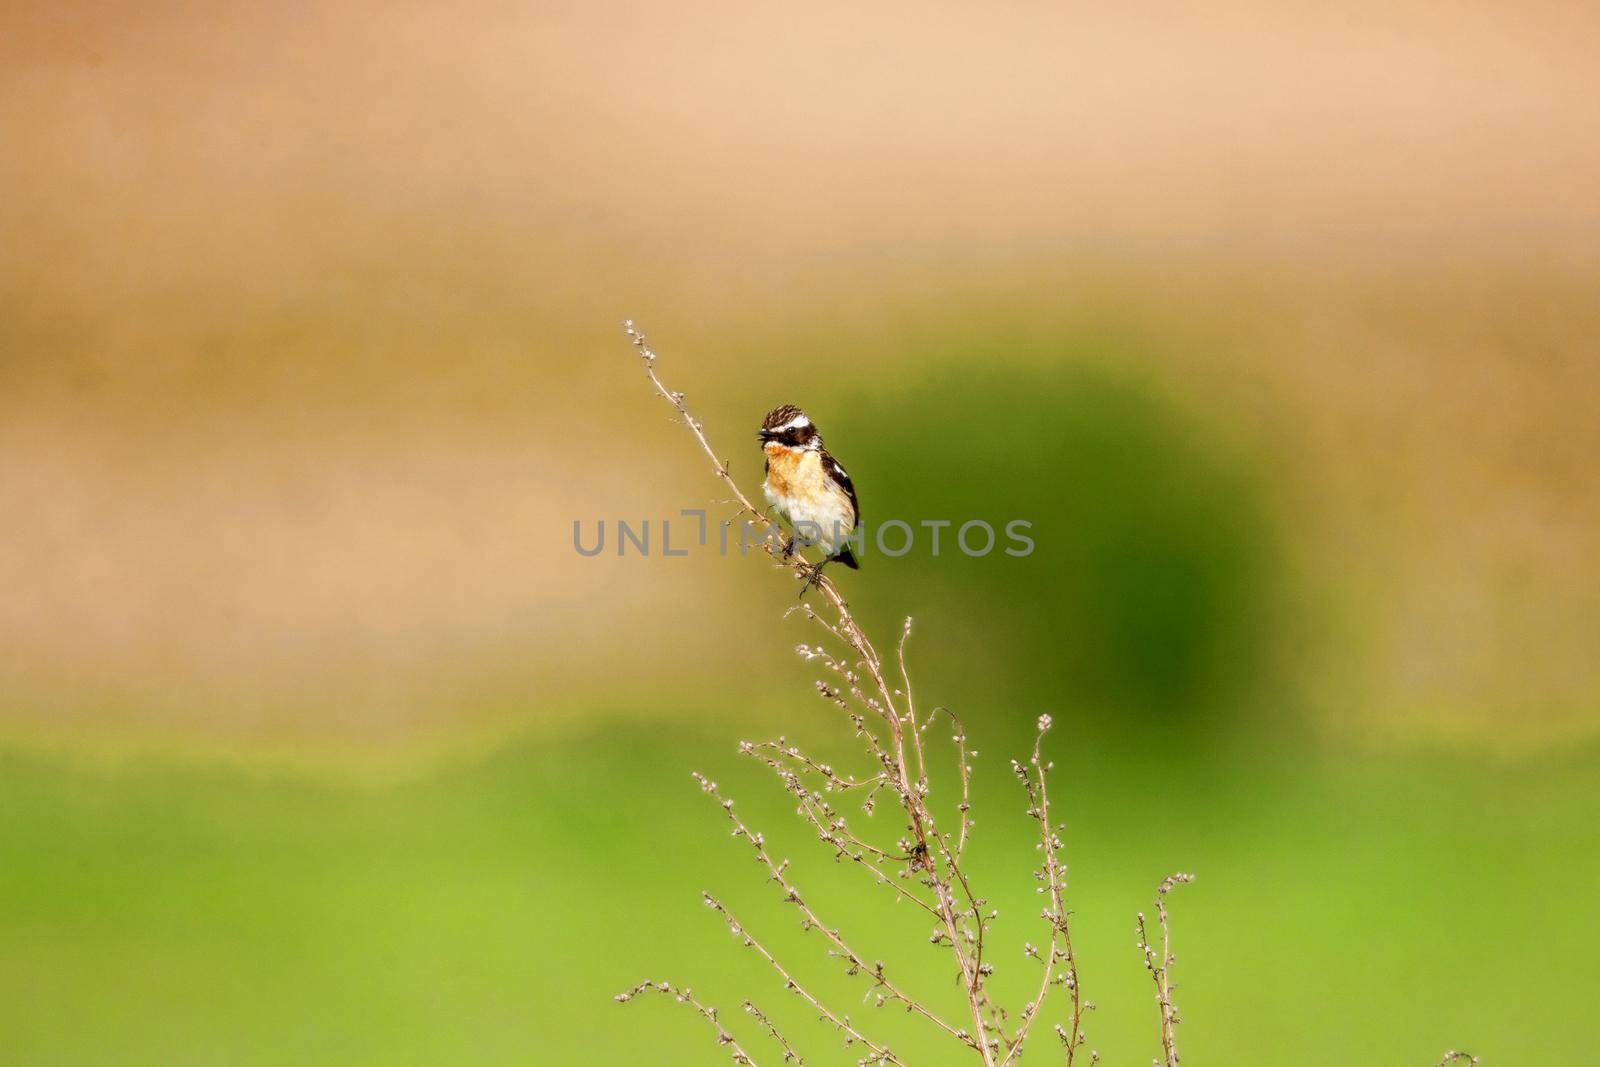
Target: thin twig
(887, 724)
(1160, 967)
(855, 963)
(789, 1054)
(683, 995)
(1053, 874)
(880, 1053)
(929, 849)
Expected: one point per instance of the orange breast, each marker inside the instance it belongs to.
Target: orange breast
(783, 470)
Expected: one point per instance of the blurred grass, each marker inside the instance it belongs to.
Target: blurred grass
(1348, 910)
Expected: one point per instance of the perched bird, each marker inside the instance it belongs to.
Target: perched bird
(808, 487)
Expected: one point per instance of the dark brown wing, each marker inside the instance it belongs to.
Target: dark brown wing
(842, 480)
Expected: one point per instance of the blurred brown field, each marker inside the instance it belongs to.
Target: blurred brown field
(309, 351)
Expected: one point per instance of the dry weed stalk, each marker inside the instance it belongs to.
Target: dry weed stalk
(1160, 967)
(924, 866)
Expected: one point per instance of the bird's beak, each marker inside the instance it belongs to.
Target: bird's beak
(765, 435)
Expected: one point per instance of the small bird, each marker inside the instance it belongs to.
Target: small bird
(808, 487)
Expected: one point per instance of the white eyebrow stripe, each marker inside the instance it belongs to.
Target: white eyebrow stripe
(795, 423)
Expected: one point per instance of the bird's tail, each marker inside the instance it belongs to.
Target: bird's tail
(846, 557)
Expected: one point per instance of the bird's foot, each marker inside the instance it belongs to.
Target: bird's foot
(812, 578)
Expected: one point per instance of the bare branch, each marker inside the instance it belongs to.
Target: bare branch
(1052, 873)
(925, 865)
(683, 995)
(1160, 967)
(879, 1053)
(929, 849)
(789, 1054)
(855, 963)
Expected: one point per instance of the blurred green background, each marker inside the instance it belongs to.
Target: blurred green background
(319, 744)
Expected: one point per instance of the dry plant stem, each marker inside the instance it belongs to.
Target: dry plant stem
(789, 1054)
(685, 996)
(886, 721)
(963, 767)
(929, 848)
(928, 845)
(791, 895)
(1053, 874)
(830, 825)
(1160, 967)
(773, 536)
(838, 781)
(880, 1054)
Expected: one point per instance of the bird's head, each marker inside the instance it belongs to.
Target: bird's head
(788, 427)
